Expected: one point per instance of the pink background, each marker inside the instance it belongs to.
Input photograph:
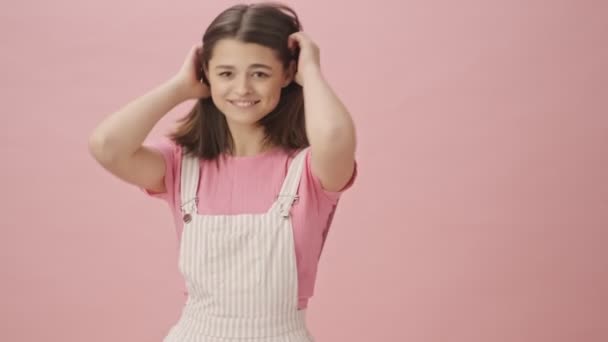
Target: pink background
(481, 208)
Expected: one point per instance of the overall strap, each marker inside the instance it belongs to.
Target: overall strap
(189, 184)
(289, 190)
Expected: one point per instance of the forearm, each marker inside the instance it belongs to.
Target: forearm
(122, 133)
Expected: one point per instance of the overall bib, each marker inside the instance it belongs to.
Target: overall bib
(240, 270)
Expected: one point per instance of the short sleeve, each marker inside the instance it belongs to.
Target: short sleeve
(169, 150)
(315, 182)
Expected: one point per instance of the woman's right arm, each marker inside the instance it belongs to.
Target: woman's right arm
(116, 143)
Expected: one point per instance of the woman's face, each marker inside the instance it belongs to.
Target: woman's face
(246, 80)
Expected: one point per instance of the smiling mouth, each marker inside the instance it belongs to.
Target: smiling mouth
(244, 104)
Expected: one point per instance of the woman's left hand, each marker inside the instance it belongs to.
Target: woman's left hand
(309, 59)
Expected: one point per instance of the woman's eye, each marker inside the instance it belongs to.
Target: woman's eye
(258, 74)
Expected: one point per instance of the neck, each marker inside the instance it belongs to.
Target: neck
(248, 140)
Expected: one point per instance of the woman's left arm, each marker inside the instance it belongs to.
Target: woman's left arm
(329, 126)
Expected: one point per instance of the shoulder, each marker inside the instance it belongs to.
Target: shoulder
(311, 183)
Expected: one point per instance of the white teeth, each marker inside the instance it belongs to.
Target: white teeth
(243, 103)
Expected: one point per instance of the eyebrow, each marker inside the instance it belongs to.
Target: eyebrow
(257, 65)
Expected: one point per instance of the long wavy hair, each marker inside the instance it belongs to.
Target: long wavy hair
(204, 132)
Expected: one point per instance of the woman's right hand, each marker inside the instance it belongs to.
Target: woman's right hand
(188, 79)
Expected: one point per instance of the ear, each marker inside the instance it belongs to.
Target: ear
(290, 73)
(205, 74)
(206, 71)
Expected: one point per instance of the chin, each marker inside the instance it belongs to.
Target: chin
(243, 118)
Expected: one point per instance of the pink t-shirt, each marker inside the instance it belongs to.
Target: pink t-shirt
(250, 185)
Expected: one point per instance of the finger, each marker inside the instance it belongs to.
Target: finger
(291, 41)
(293, 49)
(295, 42)
(294, 37)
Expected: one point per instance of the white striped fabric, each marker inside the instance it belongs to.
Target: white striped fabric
(240, 270)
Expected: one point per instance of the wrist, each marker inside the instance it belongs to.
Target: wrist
(175, 89)
(309, 73)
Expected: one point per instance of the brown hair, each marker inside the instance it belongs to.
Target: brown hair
(204, 132)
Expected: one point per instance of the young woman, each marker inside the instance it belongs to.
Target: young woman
(252, 178)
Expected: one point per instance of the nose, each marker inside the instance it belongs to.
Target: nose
(242, 86)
